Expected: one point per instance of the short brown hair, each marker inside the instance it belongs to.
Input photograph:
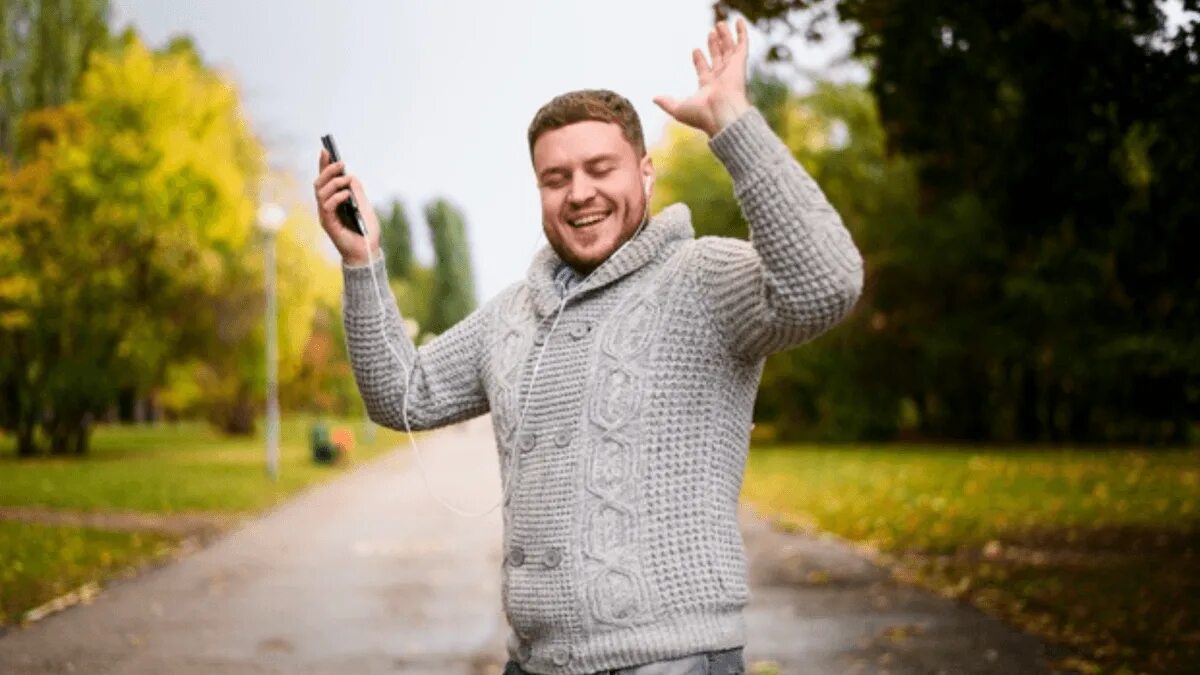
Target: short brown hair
(601, 105)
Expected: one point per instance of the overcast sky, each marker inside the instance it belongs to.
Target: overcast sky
(433, 98)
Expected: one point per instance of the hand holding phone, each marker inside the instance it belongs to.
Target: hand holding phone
(345, 214)
(347, 211)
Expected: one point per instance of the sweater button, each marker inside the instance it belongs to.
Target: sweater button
(580, 330)
(552, 557)
(560, 656)
(527, 442)
(563, 438)
(516, 556)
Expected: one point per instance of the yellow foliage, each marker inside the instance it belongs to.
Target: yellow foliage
(128, 229)
(183, 127)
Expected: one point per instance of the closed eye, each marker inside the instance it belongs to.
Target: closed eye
(553, 179)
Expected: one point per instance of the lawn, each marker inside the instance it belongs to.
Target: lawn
(41, 562)
(1095, 549)
(171, 468)
(168, 470)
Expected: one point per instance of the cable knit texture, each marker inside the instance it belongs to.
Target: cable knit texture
(620, 518)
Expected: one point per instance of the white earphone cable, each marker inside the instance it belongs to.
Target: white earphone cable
(409, 370)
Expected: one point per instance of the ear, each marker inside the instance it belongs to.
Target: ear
(647, 169)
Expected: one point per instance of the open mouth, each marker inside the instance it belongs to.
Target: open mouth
(587, 219)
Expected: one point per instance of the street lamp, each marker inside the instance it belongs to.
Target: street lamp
(270, 221)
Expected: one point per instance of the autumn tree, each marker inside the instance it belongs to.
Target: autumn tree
(141, 185)
(130, 249)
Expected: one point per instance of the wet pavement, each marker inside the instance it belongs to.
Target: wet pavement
(369, 574)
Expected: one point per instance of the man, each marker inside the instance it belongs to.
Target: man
(620, 375)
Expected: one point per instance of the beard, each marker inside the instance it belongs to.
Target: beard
(585, 243)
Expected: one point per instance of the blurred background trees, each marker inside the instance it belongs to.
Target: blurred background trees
(131, 271)
(848, 383)
(1036, 284)
(1018, 177)
(433, 297)
(44, 48)
(453, 281)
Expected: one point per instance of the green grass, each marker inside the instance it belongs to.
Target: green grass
(166, 469)
(41, 562)
(171, 468)
(1093, 549)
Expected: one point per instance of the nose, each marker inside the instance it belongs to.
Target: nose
(582, 190)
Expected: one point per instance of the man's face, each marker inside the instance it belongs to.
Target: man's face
(592, 188)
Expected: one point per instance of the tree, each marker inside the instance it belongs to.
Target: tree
(1055, 150)
(44, 48)
(131, 207)
(322, 382)
(453, 282)
(396, 240)
(850, 382)
(223, 378)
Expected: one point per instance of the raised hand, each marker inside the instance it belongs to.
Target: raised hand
(333, 188)
(721, 98)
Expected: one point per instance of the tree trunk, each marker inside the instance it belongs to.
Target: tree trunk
(26, 446)
(83, 432)
(60, 435)
(235, 418)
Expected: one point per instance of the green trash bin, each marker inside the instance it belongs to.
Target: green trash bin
(323, 451)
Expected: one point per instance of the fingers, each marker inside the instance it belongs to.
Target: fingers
(725, 40)
(329, 172)
(722, 47)
(358, 190)
(332, 185)
(668, 104)
(330, 205)
(322, 161)
(703, 70)
(729, 46)
(360, 196)
(715, 49)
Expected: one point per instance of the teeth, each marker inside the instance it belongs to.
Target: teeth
(589, 220)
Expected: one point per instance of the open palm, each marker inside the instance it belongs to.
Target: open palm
(721, 98)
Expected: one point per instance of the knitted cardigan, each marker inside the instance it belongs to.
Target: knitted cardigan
(620, 534)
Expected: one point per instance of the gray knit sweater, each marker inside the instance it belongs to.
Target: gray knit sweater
(620, 522)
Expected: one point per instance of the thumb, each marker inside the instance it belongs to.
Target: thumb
(668, 104)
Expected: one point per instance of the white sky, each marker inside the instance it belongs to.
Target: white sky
(433, 98)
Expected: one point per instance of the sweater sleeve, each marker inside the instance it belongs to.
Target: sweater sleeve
(442, 378)
(800, 273)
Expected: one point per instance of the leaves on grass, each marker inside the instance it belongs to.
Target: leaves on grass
(901, 633)
(44, 563)
(1089, 549)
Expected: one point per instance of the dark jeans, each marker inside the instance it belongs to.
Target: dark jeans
(727, 662)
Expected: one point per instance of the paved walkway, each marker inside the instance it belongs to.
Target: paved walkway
(368, 574)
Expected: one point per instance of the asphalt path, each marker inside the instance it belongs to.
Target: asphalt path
(369, 574)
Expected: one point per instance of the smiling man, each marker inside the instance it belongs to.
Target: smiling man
(593, 174)
(620, 375)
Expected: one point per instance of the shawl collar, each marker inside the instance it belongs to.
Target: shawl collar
(670, 225)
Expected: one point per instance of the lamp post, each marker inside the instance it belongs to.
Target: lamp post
(270, 221)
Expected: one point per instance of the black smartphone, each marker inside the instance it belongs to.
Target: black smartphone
(347, 211)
